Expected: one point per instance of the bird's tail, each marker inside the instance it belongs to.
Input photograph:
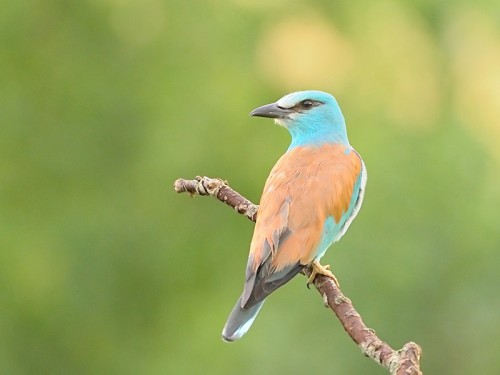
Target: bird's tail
(240, 320)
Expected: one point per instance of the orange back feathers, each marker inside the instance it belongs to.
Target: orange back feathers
(305, 187)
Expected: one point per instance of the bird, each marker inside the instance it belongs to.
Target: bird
(309, 200)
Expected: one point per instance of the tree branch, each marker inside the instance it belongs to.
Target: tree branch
(405, 361)
(218, 188)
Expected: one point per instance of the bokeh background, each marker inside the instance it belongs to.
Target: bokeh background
(104, 103)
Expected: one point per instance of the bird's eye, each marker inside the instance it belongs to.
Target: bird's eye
(307, 104)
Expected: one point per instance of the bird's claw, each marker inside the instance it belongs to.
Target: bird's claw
(318, 269)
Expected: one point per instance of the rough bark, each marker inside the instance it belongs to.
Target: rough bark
(405, 361)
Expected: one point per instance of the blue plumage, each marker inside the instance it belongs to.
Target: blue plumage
(309, 200)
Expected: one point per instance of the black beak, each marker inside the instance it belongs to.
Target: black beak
(271, 111)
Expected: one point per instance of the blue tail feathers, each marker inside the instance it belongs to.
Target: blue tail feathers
(240, 320)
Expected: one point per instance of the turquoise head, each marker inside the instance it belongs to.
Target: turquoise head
(312, 118)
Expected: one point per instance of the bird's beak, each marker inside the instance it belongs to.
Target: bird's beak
(271, 111)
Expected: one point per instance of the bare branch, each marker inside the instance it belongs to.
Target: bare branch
(217, 188)
(401, 362)
(405, 361)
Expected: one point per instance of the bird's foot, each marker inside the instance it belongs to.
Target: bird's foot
(318, 269)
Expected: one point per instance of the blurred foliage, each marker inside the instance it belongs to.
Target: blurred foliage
(104, 103)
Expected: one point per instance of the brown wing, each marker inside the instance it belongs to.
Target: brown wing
(307, 185)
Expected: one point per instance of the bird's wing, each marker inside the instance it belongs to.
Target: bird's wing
(306, 186)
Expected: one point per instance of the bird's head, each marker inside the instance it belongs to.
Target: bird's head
(311, 117)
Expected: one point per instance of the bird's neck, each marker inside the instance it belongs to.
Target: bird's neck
(316, 136)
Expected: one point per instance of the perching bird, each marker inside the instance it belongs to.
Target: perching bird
(309, 200)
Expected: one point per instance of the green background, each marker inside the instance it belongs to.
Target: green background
(104, 103)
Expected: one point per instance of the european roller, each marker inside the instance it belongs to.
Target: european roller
(310, 198)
